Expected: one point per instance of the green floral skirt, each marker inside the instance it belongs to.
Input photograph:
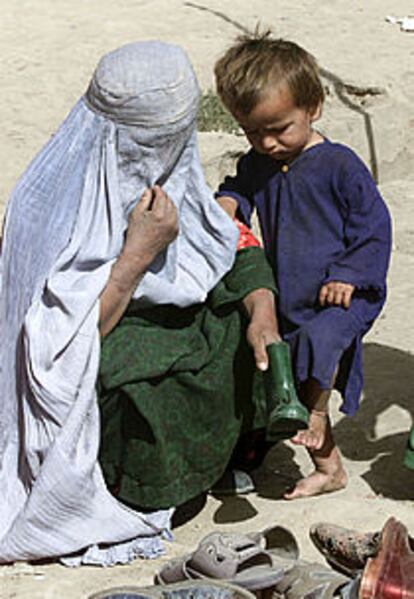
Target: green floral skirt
(176, 389)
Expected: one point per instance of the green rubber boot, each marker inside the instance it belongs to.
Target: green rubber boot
(286, 414)
(409, 452)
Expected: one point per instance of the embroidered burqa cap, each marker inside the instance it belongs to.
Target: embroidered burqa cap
(64, 227)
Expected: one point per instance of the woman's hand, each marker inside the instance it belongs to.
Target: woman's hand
(263, 328)
(153, 224)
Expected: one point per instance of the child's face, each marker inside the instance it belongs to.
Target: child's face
(277, 127)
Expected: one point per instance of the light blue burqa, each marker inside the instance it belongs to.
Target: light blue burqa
(64, 228)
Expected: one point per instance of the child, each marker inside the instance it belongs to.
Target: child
(325, 229)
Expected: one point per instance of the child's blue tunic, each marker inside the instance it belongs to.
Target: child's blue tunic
(322, 219)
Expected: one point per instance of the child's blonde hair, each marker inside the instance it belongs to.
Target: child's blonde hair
(258, 61)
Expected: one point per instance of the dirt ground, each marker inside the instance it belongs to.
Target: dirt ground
(48, 49)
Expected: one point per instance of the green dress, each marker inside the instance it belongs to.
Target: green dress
(176, 389)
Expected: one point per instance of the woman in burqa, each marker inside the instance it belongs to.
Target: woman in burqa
(123, 355)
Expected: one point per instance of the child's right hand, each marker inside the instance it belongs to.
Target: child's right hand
(336, 293)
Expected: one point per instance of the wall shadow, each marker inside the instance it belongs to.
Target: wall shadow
(234, 509)
(188, 510)
(278, 473)
(389, 381)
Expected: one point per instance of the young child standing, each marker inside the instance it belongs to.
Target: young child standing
(325, 229)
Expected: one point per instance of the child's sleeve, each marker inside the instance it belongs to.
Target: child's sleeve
(239, 188)
(367, 233)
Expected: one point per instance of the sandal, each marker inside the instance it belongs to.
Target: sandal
(310, 581)
(280, 543)
(236, 558)
(183, 590)
(344, 549)
(390, 575)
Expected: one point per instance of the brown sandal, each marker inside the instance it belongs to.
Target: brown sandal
(344, 549)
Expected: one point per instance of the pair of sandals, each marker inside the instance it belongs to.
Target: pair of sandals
(234, 566)
(255, 562)
(223, 566)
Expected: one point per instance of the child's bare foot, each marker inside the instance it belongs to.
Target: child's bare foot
(318, 483)
(329, 473)
(313, 437)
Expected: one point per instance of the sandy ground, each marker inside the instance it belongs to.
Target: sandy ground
(48, 49)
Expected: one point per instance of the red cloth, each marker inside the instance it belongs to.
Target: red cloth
(246, 238)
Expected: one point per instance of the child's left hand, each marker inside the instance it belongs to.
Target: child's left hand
(336, 293)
